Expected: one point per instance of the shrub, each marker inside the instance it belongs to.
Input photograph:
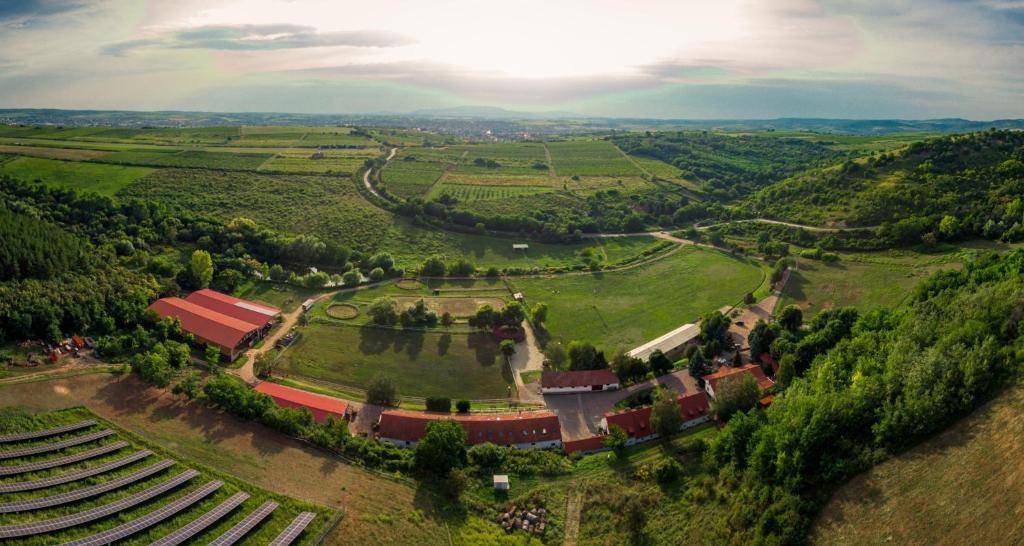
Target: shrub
(668, 471)
(462, 406)
(382, 392)
(439, 403)
(487, 456)
(376, 274)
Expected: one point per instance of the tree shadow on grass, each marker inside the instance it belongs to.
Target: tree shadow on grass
(443, 344)
(485, 347)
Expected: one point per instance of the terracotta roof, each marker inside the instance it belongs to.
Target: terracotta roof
(248, 311)
(318, 404)
(581, 378)
(208, 325)
(593, 443)
(754, 370)
(503, 429)
(766, 401)
(637, 422)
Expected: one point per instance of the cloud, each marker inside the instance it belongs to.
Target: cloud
(260, 38)
(23, 13)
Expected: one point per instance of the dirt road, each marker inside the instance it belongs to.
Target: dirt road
(366, 175)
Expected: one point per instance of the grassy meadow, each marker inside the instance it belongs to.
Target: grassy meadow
(77, 175)
(627, 308)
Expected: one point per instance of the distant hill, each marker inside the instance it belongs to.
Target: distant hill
(489, 112)
(977, 179)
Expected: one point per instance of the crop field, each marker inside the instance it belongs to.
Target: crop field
(334, 161)
(954, 488)
(77, 175)
(866, 281)
(590, 184)
(88, 146)
(420, 363)
(378, 511)
(467, 193)
(20, 420)
(658, 168)
(69, 154)
(406, 137)
(411, 178)
(590, 158)
(504, 159)
(190, 159)
(627, 308)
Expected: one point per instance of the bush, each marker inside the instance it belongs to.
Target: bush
(439, 404)
(462, 406)
(668, 471)
(382, 392)
(487, 456)
(376, 274)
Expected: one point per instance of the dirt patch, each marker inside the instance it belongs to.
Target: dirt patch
(343, 311)
(409, 284)
(459, 307)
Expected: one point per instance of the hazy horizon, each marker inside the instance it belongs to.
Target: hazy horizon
(736, 59)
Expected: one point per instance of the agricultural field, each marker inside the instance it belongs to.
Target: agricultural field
(590, 158)
(68, 154)
(331, 162)
(939, 491)
(285, 297)
(77, 175)
(421, 363)
(525, 158)
(408, 178)
(19, 420)
(468, 193)
(623, 309)
(406, 137)
(193, 159)
(866, 281)
(378, 510)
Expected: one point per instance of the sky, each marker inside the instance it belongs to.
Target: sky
(700, 59)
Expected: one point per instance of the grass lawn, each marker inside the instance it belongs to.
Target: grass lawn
(377, 510)
(420, 363)
(81, 176)
(955, 488)
(21, 419)
(866, 281)
(627, 308)
(283, 296)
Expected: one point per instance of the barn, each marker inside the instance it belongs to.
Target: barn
(216, 319)
(538, 429)
(319, 405)
(578, 381)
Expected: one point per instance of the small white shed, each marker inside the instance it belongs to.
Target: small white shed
(501, 482)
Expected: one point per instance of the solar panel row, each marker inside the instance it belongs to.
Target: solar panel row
(195, 526)
(35, 450)
(61, 461)
(85, 492)
(31, 435)
(294, 529)
(150, 519)
(62, 522)
(235, 533)
(74, 476)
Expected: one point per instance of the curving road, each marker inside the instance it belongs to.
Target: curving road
(791, 224)
(366, 175)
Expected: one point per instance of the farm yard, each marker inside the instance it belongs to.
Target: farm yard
(119, 471)
(623, 309)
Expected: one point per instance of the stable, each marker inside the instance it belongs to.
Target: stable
(319, 405)
(230, 324)
(578, 381)
(694, 409)
(539, 429)
(668, 343)
(740, 373)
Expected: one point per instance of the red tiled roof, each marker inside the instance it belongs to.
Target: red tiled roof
(319, 405)
(766, 401)
(637, 422)
(580, 378)
(244, 310)
(767, 359)
(208, 325)
(754, 370)
(587, 444)
(504, 429)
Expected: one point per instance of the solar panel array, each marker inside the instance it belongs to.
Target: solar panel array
(195, 526)
(294, 529)
(74, 476)
(85, 492)
(62, 522)
(235, 533)
(44, 448)
(22, 436)
(150, 519)
(61, 461)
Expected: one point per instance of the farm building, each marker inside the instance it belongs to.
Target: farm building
(578, 381)
(668, 343)
(214, 320)
(713, 380)
(319, 405)
(584, 446)
(522, 430)
(501, 482)
(637, 422)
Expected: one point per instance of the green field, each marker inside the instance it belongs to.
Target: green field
(333, 161)
(420, 363)
(627, 308)
(190, 159)
(408, 178)
(467, 193)
(866, 281)
(590, 158)
(77, 175)
(18, 420)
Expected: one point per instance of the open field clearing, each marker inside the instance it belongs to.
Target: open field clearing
(627, 308)
(658, 168)
(377, 511)
(955, 488)
(421, 363)
(287, 508)
(190, 159)
(332, 161)
(589, 184)
(285, 297)
(70, 154)
(467, 193)
(866, 281)
(81, 176)
(590, 158)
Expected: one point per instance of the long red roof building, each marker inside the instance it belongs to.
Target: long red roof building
(712, 381)
(530, 429)
(217, 319)
(248, 311)
(319, 405)
(694, 409)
